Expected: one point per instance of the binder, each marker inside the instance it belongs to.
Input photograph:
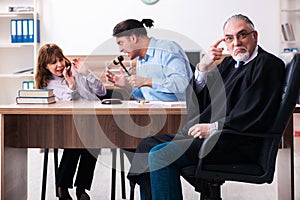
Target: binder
(25, 30)
(13, 30)
(19, 31)
(38, 31)
(31, 30)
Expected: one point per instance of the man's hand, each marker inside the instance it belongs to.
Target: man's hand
(200, 130)
(214, 53)
(137, 81)
(118, 80)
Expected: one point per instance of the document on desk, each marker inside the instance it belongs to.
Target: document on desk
(161, 103)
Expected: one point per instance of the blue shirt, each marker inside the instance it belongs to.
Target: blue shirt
(168, 66)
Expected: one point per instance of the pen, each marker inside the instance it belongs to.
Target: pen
(143, 101)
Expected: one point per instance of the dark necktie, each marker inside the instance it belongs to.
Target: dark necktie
(240, 63)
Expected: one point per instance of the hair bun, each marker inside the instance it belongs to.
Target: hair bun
(148, 22)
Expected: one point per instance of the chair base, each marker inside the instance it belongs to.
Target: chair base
(214, 192)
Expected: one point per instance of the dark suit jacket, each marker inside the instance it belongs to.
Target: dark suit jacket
(244, 99)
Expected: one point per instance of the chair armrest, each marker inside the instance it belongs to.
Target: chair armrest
(212, 139)
(209, 143)
(257, 172)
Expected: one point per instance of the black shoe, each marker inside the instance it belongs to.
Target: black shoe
(82, 195)
(63, 194)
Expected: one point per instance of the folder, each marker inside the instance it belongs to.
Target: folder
(13, 30)
(38, 31)
(31, 30)
(19, 31)
(25, 30)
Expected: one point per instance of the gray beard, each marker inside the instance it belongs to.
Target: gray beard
(241, 56)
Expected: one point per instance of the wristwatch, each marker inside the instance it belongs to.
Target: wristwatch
(150, 2)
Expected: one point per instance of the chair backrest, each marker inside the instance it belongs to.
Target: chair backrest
(291, 89)
(290, 93)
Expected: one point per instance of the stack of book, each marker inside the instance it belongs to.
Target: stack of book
(35, 96)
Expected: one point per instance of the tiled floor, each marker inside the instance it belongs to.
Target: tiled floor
(101, 184)
(102, 180)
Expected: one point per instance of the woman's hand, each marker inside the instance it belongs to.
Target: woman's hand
(200, 130)
(79, 67)
(70, 80)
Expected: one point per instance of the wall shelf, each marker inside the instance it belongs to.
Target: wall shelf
(289, 24)
(15, 14)
(19, 56)
(290, 10)
(15, 45)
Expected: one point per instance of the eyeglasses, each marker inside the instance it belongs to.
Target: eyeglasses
(240, 36)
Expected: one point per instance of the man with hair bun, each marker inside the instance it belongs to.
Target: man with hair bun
(162, 71)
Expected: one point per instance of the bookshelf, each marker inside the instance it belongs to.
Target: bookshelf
(19, 56)
(290, 25)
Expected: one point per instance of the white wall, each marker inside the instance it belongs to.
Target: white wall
(85, 28)
(80, 27)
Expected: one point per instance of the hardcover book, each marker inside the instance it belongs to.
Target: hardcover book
(35, 100)
(284, 33)
(36, 93)
(289, 32)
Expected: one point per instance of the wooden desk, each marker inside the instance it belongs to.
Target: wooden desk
(75, 125)
(90, 124)
(285, 163)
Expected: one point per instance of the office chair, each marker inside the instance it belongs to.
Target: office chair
(212, 176)
(109, 94)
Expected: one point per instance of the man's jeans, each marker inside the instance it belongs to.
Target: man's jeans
(165, 161)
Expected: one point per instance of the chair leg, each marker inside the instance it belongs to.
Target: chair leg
(215, 192)
(55, 155)
(123, 189)
(113, 174)
(202, 196)
(45, 169)
(132, 186)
